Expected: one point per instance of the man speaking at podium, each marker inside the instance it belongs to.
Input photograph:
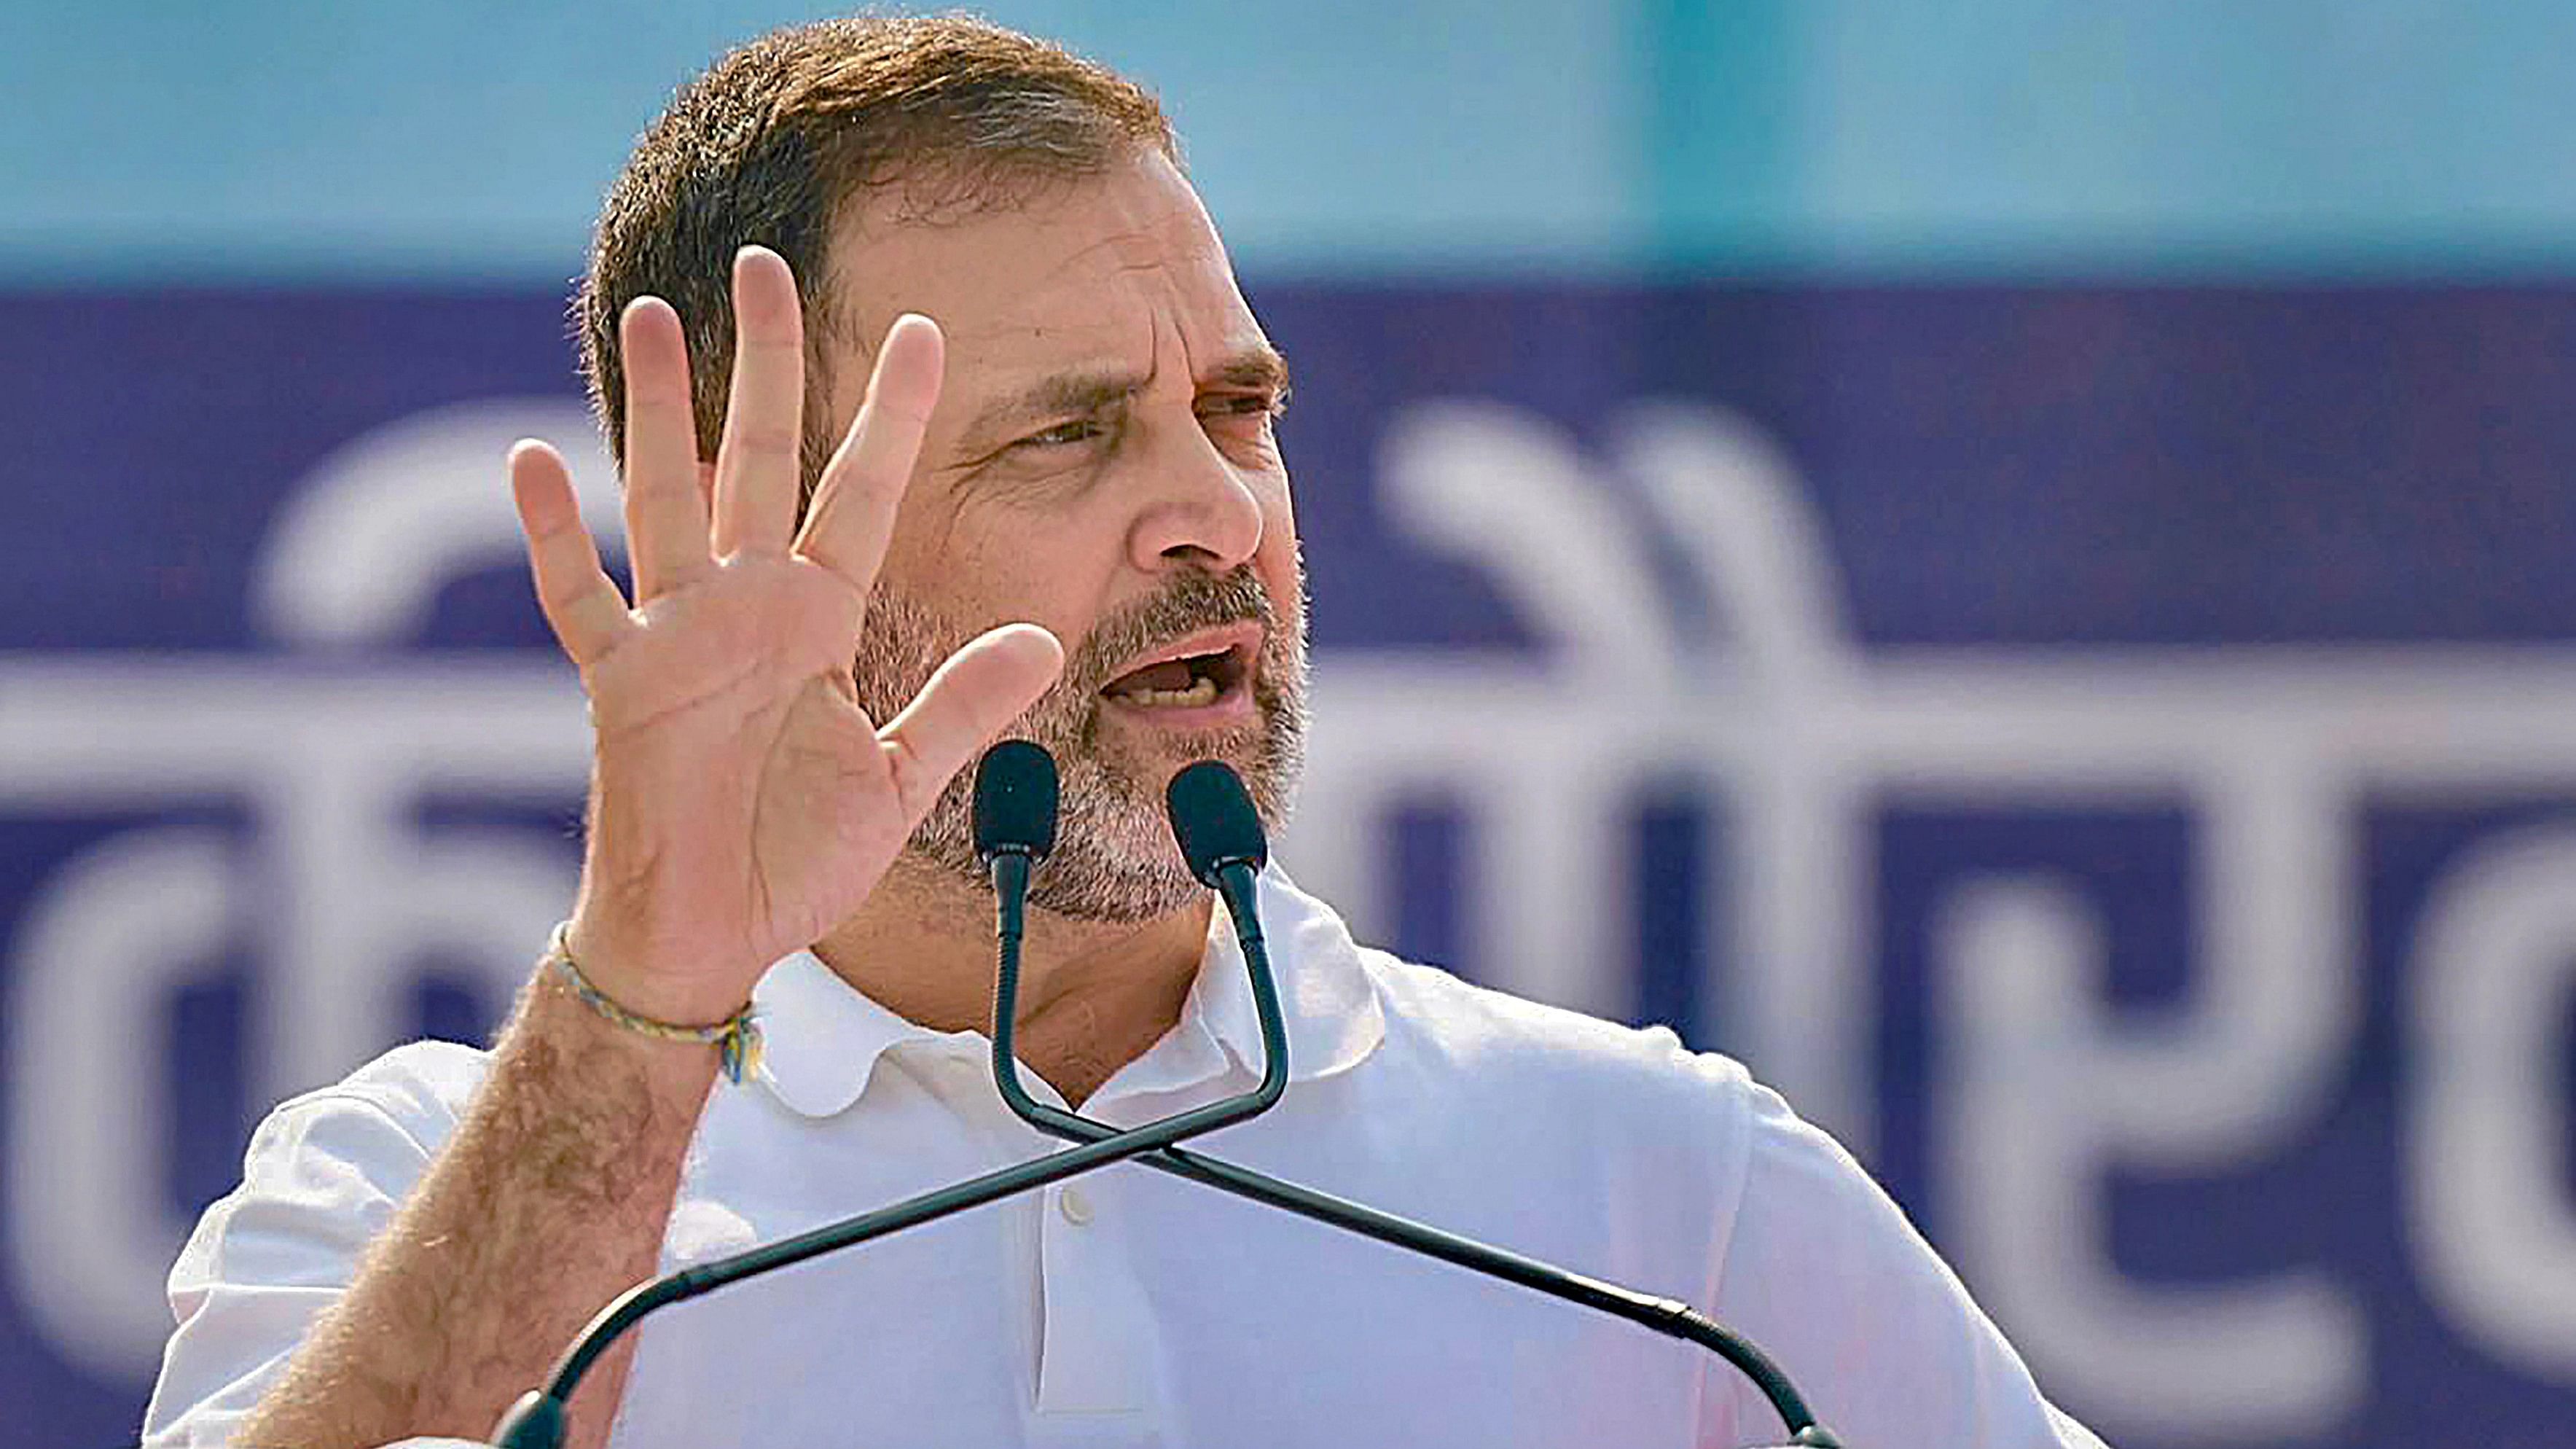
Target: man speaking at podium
(989, 430)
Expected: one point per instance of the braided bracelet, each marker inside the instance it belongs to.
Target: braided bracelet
(736, 1039)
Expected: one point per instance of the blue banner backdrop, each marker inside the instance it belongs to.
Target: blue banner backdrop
(2106, 751)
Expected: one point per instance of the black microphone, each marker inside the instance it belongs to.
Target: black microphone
(1220, 836)
(1015, 801)
(1214, 821)
(1017, 796)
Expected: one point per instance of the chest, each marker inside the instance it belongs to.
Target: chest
(1120, 1310)
(1127, 1308)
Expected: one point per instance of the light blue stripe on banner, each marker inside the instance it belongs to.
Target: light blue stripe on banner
(263, 140)
(2115, 138)
(259, 140)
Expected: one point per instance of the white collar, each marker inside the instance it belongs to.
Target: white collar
(822, 1037)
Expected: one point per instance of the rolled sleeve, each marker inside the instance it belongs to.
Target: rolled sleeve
(324, 1174)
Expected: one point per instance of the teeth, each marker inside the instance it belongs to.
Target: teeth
(1202, 691)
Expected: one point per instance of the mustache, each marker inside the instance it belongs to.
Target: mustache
(1192, 601)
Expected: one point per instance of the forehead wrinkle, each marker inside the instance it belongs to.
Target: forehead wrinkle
(1151, 231)
(1076, 390)
(1072, 391)
(1132, 251)
(1158, 269)
(1141, 248)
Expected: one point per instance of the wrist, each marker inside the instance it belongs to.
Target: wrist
(736, 1038)
(570, 1033)
(656, 974)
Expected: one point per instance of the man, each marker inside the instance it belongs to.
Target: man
(1054, 418)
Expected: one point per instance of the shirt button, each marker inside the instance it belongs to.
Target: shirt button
(1075, 1205)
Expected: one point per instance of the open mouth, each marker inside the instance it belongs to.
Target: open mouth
(1195, 673)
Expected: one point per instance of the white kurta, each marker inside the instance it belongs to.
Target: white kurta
(1129, 1308)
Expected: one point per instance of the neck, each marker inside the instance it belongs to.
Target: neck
(1093, 995)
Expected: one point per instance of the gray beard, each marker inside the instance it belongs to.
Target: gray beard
(1115, 860)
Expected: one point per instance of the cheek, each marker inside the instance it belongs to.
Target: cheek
(1007, 565)
(940, 566)
(924, 524)
(1278, 562)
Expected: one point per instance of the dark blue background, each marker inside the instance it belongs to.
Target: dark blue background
(2066, 466)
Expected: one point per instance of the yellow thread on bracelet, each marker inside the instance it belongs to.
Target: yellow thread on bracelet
(736, 1039)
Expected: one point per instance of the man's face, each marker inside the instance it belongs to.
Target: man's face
(1101, 463)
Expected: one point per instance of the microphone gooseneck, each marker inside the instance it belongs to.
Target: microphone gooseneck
(1220, 836)
(1015, 807)
(1010, 850)
(1022, 808)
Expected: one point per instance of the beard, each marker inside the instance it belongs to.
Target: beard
(1115, 860)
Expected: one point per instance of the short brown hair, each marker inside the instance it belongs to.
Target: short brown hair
(779, 135)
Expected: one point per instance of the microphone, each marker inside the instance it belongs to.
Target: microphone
(1214, 821)
(1016, 796)
(1220, 835)
(1015, 801)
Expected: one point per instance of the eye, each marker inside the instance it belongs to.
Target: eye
(1063, 435)
(1261, 405)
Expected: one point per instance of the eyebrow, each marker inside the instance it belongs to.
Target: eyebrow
(1261, 366)
(1080, 394)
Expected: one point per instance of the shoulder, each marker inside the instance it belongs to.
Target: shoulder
(1627, 1151)
(1547, 1058)
(1479, 1026)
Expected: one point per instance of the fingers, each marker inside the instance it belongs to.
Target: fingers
(581, 602)
(757, 468)
(666, 514)
(981, 688)
(854, 505)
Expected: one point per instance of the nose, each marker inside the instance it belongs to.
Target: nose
(1200, 509)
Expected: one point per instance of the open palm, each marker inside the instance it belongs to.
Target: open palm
(742, 804)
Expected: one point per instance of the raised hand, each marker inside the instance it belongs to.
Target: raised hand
(741, 803)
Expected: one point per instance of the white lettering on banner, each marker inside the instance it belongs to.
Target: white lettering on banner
(380, 526)
(2490, 991)
(120, 930)
(336, 890)
(1801, 736)
(2050, 1094)
(339, 896)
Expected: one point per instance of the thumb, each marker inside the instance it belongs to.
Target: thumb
(981, 688)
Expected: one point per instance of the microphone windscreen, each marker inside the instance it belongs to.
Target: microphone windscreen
(1214, 821)
(1015, 801)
